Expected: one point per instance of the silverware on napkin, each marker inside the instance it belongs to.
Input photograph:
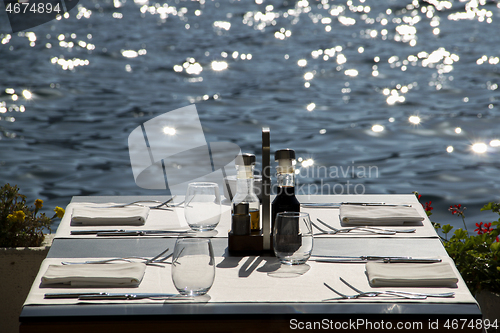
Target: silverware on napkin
(123, 232)
(110, 296)
(338, 204)
(362, 259)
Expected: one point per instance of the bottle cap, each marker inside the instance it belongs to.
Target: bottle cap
(284, 154)
(242, 208)
(245, 159)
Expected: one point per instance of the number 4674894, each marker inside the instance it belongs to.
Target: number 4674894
(35, 8)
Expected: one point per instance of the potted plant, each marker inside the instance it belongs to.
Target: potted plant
(23, 246)
(477, 256)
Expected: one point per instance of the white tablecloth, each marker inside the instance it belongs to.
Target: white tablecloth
(246, 279)
(174, 220)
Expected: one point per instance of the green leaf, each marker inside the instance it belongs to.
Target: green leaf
(460, 234)
(488, 206)
(447, 228)
(495, 247)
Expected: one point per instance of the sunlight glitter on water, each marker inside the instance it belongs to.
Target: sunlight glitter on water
(27, 94)
(414, 120)
(343, 70)
(169, 130)
(219, 65)
(479, 147)
(495, 143)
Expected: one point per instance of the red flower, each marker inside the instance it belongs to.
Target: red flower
(479, 229)
(427, 206)
(486, 229)
(456, 210)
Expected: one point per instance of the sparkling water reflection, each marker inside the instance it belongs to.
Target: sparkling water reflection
(409, 88)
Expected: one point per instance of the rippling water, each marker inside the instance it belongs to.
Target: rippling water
(406, 89)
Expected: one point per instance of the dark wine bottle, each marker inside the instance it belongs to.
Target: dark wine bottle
(286, 201)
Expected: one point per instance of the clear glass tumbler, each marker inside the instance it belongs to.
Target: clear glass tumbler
(292, 237)
(193, 266)
(202, 207)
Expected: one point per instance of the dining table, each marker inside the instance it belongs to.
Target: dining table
(252, 291)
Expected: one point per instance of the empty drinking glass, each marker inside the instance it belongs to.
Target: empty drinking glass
(202, 207)
(193, 266)
(292, 237)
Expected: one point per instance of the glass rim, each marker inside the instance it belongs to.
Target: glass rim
(193, 239)
(292, 214)
(203, 184)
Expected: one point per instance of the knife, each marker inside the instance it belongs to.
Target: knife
(130, 296)
(102, 232)
(387, 259)
(139, 232)
(413, 260)
(92, 232)
(68, 295)
(109, 296)
(338, 204)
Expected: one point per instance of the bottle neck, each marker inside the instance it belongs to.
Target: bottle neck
(244, 185)
(286, 180)
(244, 179)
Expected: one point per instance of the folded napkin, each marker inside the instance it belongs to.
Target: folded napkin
(99, 275)
(438, 274)
(93, 216)
(378, 215)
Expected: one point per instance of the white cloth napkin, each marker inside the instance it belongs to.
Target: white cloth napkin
(438, 274)
(94, 216)
(378, 215)
(102, 275)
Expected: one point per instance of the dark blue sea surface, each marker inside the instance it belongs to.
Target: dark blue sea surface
(405, 93)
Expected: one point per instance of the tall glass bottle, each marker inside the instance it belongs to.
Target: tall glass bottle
(285, 197)
(245, 164)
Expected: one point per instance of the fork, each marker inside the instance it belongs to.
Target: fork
(369, 227)
(377, 293)
(336, 231)
(328, 232)
(147, 261)
(340, 294)
(374, 294)
(138, 201)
